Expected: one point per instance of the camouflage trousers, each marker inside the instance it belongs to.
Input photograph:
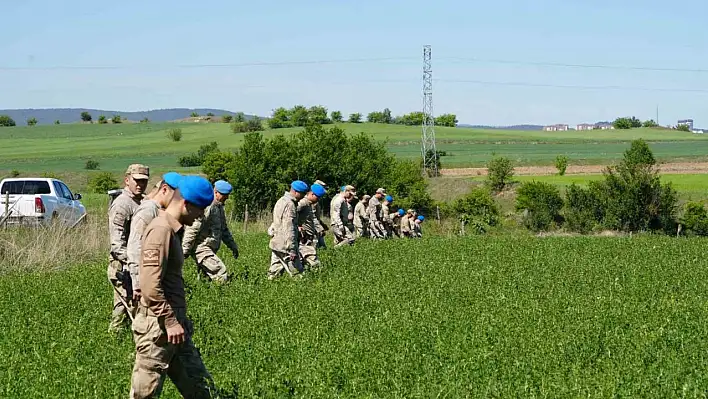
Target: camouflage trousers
(377, 230)
(362, 231)
(343, 235)
(280, 262)
(156, 358)
(308, 253)
(119, 277)
(211, 265)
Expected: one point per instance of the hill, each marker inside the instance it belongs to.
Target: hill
(47, 116)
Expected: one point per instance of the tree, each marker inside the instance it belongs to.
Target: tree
(279, 119)
(386, 116)
(561, 164)
(499, 173)
(227, 118)
(318, 114)
(194, 115)
(336, 116)
(355, 118)
(240, 117)
(145, 120)
(86, 117)
(210, 114)
(683, 128)
(102, 120)
(6, 121)
(412, 119)
(650, 123)
(299, 115)
(31, 121)
(622, 123)
(449, 120)
(116, 119)
(57, 122)
(374, 117)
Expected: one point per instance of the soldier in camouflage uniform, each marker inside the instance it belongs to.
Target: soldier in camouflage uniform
(376, 227)
(340, 220)
(120, 214)
(307, 228)
(146, 212)
(284, 242)
(361, 217)
(386, 216)
(207, 233)
(395, 218)
(417, 231)
(320, 225)
(406, 223)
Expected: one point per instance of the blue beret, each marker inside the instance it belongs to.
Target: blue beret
(401, 212)
(318, 190)
(421, 218)
(223, 187)
(196, 190)
(389, 198)
(343, 188)
(172, 179)
(299, 186)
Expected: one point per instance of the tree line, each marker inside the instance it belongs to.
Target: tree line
(300, 116)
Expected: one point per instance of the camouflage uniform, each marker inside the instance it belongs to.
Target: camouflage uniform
(284, 239)
(395, 223)
(417, 231)
(120, 214)
(386, 219)
(339, 214)
(361, 220)
(162, 306)
(308, 233)
(376, 227)
(207, 233)
(146, 212)
(406, 230)
(319, 224)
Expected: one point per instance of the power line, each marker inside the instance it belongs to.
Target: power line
(580, 87)
(567, 65)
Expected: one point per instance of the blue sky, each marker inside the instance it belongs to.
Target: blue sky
(149, 40)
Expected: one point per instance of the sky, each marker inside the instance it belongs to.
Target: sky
(494, 62)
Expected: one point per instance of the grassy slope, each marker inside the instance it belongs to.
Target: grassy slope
(501, 317)
(66, 147)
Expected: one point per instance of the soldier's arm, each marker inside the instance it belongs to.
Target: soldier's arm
(290, 226)
(337, 214)
(211, 222)
(155, 252)
(118, 216)
(228, 238)
(190, 235)
(137, 228)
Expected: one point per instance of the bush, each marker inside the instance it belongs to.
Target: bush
(541, 203)
(174, 134)
(355, 118)
(227, 118)
(197, 159)
(251, 125)
(102, 120)
(477, 209)
(86, 117)
(102, 183)
(14, 173)
(50, 175)
(561, 164)
(116, 119)
(57, 122)
(695, 219)
(91, 164)
(500, 170)
(216, 164)
(583, 211)
(683, 128)
(6, 121)
(31, 121)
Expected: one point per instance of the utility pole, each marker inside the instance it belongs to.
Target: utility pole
(429, 151)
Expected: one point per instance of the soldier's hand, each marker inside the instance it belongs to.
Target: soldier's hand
(175, 334)
(235, 253)
(136, 294)
(293, 256)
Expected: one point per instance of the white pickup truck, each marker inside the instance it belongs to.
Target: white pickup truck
(39, 201)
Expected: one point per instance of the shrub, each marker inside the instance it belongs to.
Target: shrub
(583, 211)
(187, 161)
(683, 128)
(251, 125)
(116, 119)
(196, 159)
(86, 117)
(695, 219)
(227, 118)
(355, 118)
(561, 164)
(57, 122)
(102, 120)
(50, 175)
(14, 173)
(216, 164)
(477, 209)
(174, 134)
(500, 170)
(91, 164)
(541, 203)
(31, 121)
(6, 121)
(102, 183)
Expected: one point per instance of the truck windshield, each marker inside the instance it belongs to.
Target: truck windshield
(25, 187)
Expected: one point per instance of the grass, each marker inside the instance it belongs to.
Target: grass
(67, 147)
(488, 316)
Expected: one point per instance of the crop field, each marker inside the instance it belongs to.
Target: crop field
(67, 147)
(489, 316)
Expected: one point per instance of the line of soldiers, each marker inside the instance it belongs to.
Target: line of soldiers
(152, 234)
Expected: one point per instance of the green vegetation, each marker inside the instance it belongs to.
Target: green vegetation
(489, 316)
(31, 121)
(6, 121)
(500, 172)
(175, 134)
(102, 183)
(561, 164)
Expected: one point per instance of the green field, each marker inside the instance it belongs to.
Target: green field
(489, 316)
(66, 147)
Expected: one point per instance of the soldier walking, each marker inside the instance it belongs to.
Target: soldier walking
(204, 237)
(148, 210)
(417, 231)
(320, 225)
(386, 217)
(120, 214)
(307, 227)
(361, 217)
(340, 221)
(407, 223)
(162, 331)
(284, 243)
(396, 222)
(376, 227)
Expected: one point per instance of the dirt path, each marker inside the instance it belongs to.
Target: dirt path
(668, 168)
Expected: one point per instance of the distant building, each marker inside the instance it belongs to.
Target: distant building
(556, 128)
(604, 126)
(584, 126)
(687, 122)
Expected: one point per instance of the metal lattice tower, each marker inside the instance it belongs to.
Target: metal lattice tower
(429, 151)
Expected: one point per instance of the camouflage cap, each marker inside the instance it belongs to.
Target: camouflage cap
(349, 187)
(366, 197)
(321, 183)
(138, 171)
(381, 191)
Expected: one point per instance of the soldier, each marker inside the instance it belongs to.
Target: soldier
(307, 227)
(162, 331)
(320, 225)
(339, 214)
(207, 233)
(386, 217)
(406, 223)
(284, 244)
(396, 222)
(417, 232)
(376, 228)
(148, 210)
(120, 214)
(350, 216)
(361, 217)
